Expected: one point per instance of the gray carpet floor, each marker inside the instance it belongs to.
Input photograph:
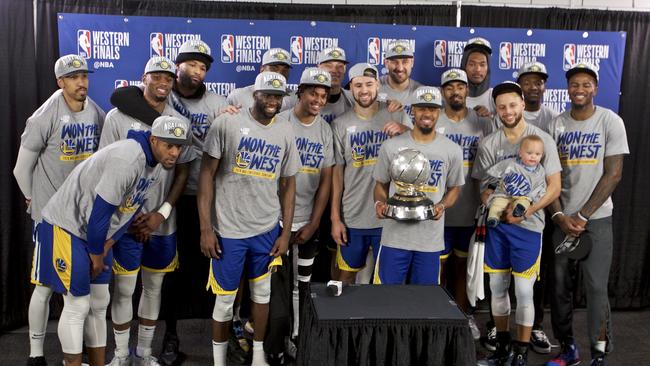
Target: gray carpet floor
(631, 332)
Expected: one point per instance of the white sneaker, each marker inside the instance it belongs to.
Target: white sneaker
(476, 333)
(145, 361)
(120, 361)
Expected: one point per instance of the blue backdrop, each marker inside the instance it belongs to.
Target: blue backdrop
(118, 48)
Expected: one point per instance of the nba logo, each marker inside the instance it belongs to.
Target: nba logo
(156, 42)
(440, 53)
(83, 43)
(505, 55)
(296, 49)
(569, 56)
(227, 48)
(373, 51)
(121, 83)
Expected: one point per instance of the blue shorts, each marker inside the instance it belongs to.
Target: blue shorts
(253, 253)
(457, 238)
(352, 257)
(511, 248)
(158, 255)
(394, 264)
(65, 262)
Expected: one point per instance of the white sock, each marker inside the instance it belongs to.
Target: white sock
(39, 311)
(296, 311)
(600, 346)
(259, 359)
(145, 336)
(121, 342)
(219, 350)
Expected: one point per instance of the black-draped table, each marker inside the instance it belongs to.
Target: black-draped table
(374, 325)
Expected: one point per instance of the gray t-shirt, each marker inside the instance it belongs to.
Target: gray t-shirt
(484, 99)
(357, 143)
(116, 127)
(403, 96)
(446, 162)
(332, 110)
(118, 173)
(541, 118)
(513, 179)
(496, 147)
(243, 97)
(467, 134)
(201, 112)
(583, 147)
(252, 157)
(63, 139)
(316, 149)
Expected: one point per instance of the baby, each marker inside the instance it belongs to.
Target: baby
(520, 181)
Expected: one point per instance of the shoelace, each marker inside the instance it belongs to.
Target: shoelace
(541, 335)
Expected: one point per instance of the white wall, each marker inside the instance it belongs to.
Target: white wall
(630, 5)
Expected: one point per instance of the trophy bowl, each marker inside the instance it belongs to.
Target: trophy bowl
(410, 171)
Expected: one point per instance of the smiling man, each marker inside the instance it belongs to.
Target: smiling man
(532, 77)
(398, 85)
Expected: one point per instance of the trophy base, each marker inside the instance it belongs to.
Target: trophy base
(409, 208)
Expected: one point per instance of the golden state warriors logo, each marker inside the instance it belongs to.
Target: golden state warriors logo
(427, 97)
(275, 83)
(66, 149)
(178, 131)
(321, 78)
(76, 64)
(201, 48)
(164, 65)
(128, 206)
(243, 159)
(453, 75)
(61, 266)
(280, 56)
(535, 68)
(335, 54)
(358, 153)
(398, 49)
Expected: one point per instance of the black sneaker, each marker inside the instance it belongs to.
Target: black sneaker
(490, 340)
(170, 355)
(36, 361)
(598, 360)
(492, 222)
(569, 244)
(539, 342)
(519, 354)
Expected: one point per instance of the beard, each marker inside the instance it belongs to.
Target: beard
(426, 130)
(371, 102)
(456, 106)
(186, 81)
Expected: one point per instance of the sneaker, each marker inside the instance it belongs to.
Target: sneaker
(145, 361)
(120, 361)
(599, 360)
(519, 360)
(496, 359)
(490, 340)
(568, 356)
(492, 222)
(539, 342)
(476, 333)
(36, 361)
(170, 354)
(290, 347)
(569, 244)
(519, 354)
(238, 332)
(519, 210)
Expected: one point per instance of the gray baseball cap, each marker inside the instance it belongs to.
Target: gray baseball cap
(332, 54)
(70, 64)
(426, 96)
(583, 67)
(276, 56)
(172, 130)
(363, 69)
(453, 75)
(507, 87)
(270, 83)
(316, 76)
(533, 68)
(400, 48)
(479, 43)
(160, 64)
(195, 49)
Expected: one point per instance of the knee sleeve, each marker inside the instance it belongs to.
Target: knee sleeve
(39, 309)
(499, 284)
(261, 290)
(122, 307)
(525, 305)
(95, 326)
(149, 307)
(71, 323)
(223, 305)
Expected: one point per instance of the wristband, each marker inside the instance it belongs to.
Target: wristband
(165, 210)
(582, 217)
(557, 213)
